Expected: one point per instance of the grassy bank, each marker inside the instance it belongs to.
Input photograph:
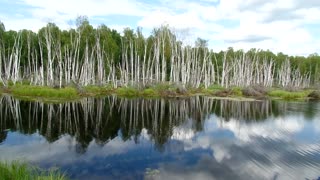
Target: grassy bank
(38, 91)
(289, 95)
(160, 90)
(23, 171)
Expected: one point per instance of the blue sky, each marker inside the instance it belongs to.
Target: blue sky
(289, 26)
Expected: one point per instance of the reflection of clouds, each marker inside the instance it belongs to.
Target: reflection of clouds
(317, 125)
(63, 150)
(144, 134)
(277, 128)
(36, 148)
(220, 152)
(182, 134)
(290, 124)
(204, 169)
(257, 159)
(266, 150)
(184, 131)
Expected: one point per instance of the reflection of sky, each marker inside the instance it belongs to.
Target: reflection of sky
(285, 147)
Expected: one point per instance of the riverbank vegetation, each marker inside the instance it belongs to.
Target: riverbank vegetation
(23, 171)
(88, 61)
(50, 94)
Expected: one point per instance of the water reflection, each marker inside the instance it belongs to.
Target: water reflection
(103, 119)
(165, 139)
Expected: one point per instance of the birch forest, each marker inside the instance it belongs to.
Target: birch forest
(102, 56)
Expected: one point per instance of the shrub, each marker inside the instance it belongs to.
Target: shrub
(127, 91)
(149, 92)
(314, 95)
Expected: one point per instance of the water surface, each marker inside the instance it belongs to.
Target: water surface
(194, 138)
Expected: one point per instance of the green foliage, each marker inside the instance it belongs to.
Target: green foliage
(48, 92)
(127, 91)
(236, 91)
(149, 92)
(97, 89)
(288, 95)
(215, 87)
(22, 171)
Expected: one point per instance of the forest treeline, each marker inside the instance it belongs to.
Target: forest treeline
(102, 56)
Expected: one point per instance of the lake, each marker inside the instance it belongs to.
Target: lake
(191, 138)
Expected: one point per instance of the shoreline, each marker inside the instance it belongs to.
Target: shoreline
(65, 94)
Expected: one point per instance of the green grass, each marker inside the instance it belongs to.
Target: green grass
(287, 95)
(127, 91)
(216, 87)
(98, 90)
(22, 171)
(237, 91)
(150, 92)
(163, 86)
(157, 90)
(43, 91)
(213, 89)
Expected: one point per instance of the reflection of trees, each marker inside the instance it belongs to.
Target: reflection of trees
(160, 116)
(244, 110)
(3, 136)
(103, 119)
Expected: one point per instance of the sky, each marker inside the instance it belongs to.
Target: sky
(288, 26)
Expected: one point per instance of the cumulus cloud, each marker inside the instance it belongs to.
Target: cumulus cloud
(73, 8)
(275, 25)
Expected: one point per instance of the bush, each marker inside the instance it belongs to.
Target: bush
(127, 91)
(149, 92)
(237, 91)
(314, 95)
(163, 86)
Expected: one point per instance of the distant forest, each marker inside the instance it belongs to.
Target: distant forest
(102, 56)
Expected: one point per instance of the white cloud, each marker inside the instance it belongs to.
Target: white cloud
(282, 23)
(73, 8)
(180, 21)
(18, 24)
(275, 25)
(61, 12)
(278, 128)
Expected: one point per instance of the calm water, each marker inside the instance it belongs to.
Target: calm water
(196, 138)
